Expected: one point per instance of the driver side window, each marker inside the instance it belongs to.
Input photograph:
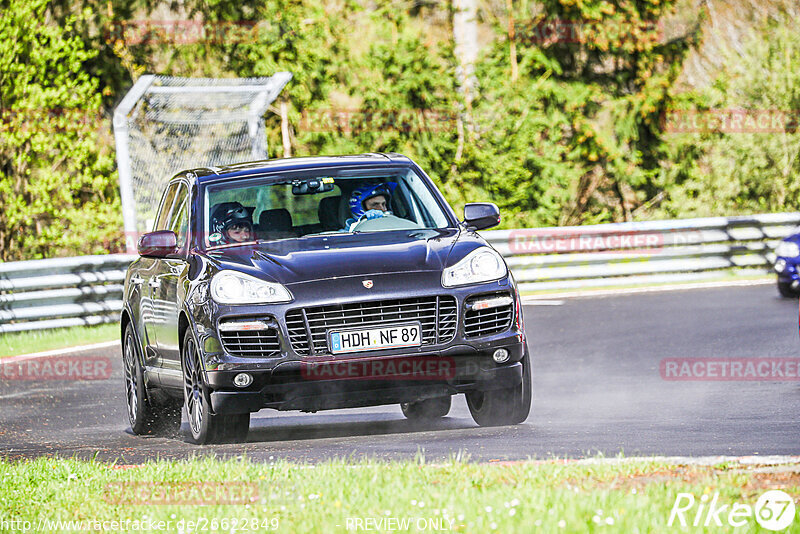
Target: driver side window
(179, 216)
(166, 206)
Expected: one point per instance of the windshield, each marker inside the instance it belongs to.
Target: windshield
(325, 201)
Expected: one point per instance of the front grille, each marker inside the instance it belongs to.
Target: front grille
(488, 321)
(296, 326)
(251, 343)
(437, 316)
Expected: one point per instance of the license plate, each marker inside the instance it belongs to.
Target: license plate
(385, 337)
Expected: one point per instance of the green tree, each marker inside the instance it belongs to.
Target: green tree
(577, 137)
(408, 99)
(57, 189)
(752, 165)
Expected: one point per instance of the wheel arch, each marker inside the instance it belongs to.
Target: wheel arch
(183, 325)
(126, 318)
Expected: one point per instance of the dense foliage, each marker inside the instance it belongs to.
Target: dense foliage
(741, 152)
(566, 125)
(57, 181)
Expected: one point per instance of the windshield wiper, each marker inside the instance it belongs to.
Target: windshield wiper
(331, 232)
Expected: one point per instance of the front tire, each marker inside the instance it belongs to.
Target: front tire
(786, 291)
(427, 409)
(508, 406)
(204, 426)
(149, 411)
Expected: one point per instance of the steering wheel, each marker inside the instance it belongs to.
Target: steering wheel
(387, 222)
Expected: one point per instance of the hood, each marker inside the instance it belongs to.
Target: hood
(291, 261)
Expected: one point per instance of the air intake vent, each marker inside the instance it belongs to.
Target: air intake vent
(250, 339)
(488, 314)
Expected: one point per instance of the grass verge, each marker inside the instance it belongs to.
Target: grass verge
(340, 496)
(59, 338)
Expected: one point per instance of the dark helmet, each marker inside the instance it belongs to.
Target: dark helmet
(366, 192)
(225, 215)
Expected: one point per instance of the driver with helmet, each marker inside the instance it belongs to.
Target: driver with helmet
(369, 202)
(231, 223)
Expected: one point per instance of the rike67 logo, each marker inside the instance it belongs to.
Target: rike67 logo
(774, 510)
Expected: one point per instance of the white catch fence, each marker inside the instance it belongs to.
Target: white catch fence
(166, 124)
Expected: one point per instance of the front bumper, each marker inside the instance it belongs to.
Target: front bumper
(292, 389)
(788, 270)
(285, 381)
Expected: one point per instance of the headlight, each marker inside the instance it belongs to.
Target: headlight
(788, 249)
(230, 287)
(480, 265)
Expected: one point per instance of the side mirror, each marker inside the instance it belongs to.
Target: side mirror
(158, 244)
(481, 215)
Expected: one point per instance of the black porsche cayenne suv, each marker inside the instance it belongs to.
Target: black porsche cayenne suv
(318, 283)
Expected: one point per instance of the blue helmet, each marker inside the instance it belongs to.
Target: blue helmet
(366, 192)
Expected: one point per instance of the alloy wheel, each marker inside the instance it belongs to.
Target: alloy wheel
(193, 388)
(131, 379)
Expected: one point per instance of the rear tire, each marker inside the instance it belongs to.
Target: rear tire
(427, 409)
(205, 427)
(508, 406)
(149, 411)
(786, 291)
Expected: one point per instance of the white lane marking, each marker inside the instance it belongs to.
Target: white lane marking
(633, 290)
(58, 352)
(542, 302)
(774, 460)
(31, 392)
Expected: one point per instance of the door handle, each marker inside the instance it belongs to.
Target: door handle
(154, 284)
(136, 280)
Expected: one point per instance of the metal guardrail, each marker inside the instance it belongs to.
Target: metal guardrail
(649, 252)
(59, 292)
(87, 290)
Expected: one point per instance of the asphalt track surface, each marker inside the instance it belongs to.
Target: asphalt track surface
(597, 389)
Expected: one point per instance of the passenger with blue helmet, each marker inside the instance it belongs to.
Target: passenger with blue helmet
(369, 202)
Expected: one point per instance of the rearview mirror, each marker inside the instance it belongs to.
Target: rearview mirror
(158, 244)
(481, 215)
(312, 186)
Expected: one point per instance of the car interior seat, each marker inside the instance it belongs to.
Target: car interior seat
(328, 213)
(275, 224)
(344, 210)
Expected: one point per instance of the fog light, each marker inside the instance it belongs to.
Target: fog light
(501, 356)
(780, 265)
(242, 380)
